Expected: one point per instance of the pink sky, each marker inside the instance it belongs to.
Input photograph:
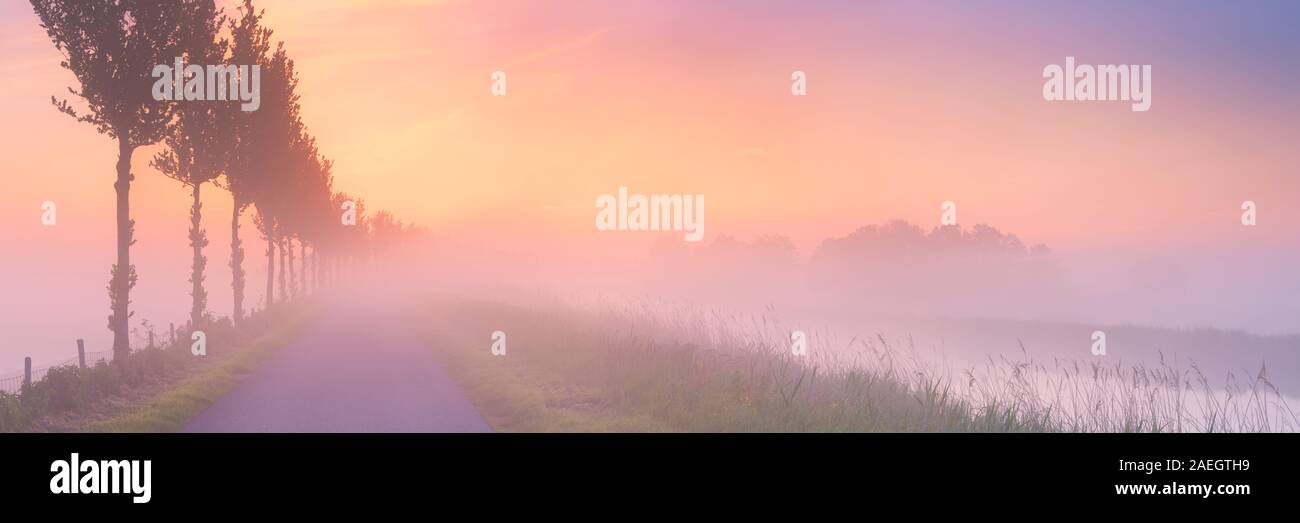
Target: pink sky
(909, 104)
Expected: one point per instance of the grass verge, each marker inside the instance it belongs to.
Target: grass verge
(170, 410)
(154, 389)
(651, 366)
(518, 395)
(633, 371)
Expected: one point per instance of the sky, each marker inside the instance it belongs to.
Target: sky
(908, 105)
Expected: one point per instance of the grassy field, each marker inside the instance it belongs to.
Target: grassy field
(654, 367)
(156, 389)
(627, 370)
(516, 396)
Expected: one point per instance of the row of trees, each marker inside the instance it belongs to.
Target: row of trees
(266, 159)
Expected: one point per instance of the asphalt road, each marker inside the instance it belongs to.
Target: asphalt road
(353, 369)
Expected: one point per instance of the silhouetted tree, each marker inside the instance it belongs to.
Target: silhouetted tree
(112, 48)
(265, 224)
(319, 217)
(265, 158)
(250, 43)
(274, 134)
(385, 233)
(199, 143)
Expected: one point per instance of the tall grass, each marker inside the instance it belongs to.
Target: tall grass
(1168, 396)
(697, 374)
(706, 370)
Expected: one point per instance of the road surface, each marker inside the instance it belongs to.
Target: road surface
(352, 369)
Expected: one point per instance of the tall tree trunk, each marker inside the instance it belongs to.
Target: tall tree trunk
(302, 257)
(236, 263)
(123, 273)
(293, 280)
(315, 268)
(198, 240)
(270, 271)
(280, 244)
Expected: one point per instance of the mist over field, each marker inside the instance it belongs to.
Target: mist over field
(959, 294)
(954, 298)
(823, 211)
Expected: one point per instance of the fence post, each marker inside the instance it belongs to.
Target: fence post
(81, 352)
(27, 372)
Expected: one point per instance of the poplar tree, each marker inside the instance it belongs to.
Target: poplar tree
(112, 46)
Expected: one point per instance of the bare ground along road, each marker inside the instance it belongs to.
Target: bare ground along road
(354, 369)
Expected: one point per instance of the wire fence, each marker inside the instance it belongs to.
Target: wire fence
(14, 384)
(11, 384)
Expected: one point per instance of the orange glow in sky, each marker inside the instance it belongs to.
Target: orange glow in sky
(905, 109)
